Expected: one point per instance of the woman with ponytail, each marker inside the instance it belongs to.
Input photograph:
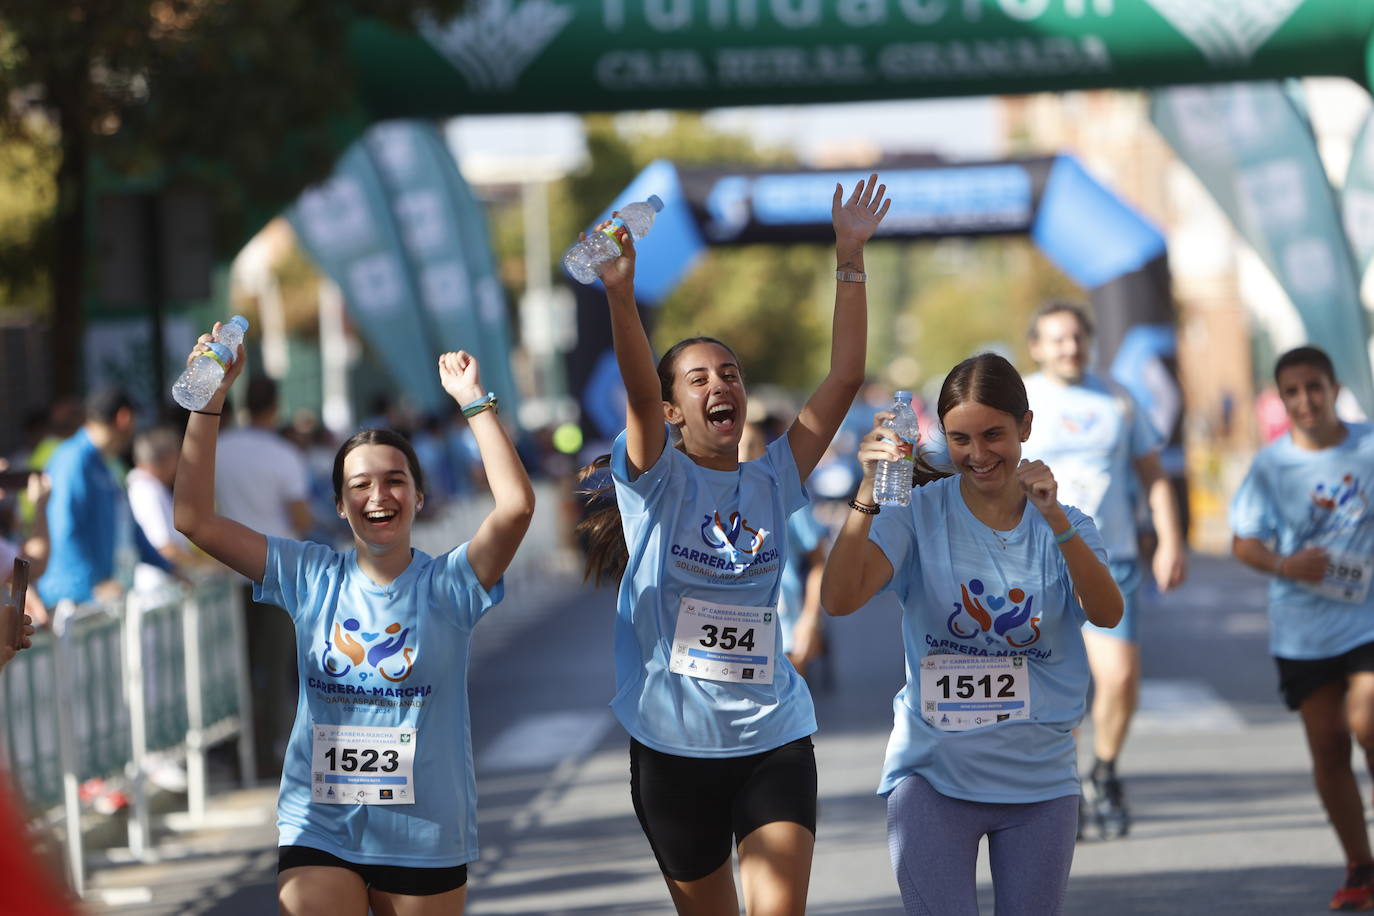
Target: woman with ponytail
(719, 721)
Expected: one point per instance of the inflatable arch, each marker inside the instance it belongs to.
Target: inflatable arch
(504, 56)
(1087, 231)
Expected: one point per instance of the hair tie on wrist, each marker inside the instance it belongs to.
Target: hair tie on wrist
(1068, 534)
(865, 508)
(487, 401)
(209, 413)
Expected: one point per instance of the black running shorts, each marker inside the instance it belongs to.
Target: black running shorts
(390, 879)
(692, 807)
(1299, 678)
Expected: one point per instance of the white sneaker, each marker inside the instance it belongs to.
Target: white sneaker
(165, 773)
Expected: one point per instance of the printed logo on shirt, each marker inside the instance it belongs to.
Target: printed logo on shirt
(736, 549)
(1338, 507)
(982, 613)
(350, 647)
(1078, 424)
(737, 534)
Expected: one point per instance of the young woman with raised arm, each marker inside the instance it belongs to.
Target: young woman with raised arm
(719, 722)
(377, 803)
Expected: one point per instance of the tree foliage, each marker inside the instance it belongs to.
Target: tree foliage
(250, 99)
(28, 196)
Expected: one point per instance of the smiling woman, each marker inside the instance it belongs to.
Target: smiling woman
(982, 742)
(377, 805)
(719, 720)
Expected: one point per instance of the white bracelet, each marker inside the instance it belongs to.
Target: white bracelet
(851, 276)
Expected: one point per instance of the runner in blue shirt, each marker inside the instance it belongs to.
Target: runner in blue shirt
(1302, 515)
(1105, 453)
(995, 578)
(719, 721)
(377, 802)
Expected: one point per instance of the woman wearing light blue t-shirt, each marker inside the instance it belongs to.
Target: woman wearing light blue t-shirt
(719, 722)
(995, 578)
(1303, 515)
(377, 802)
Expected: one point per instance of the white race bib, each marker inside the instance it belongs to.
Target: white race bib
(961, 692)
(362, 765)
(1346, 579)
(724, 642)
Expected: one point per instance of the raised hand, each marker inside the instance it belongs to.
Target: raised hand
(621, 271)
(857, 218)
(1038, 484)
(881, 444)
(459, 374)
(234, 368)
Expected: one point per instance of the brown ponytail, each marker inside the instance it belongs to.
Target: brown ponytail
(923, 472)
(601, 531)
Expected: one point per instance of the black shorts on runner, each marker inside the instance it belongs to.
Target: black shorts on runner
(1299, 678)
(389, 879)
(691, 808)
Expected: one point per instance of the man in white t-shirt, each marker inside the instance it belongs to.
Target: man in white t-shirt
(262, 481)
(149, 484)
(1104, 451)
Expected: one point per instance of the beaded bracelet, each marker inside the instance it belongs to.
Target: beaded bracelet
(865, 508)
(487, 401)
(1068, 534)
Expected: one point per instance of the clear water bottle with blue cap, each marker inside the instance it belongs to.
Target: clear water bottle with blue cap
(200, 380)
(584, 260)
(892, 480)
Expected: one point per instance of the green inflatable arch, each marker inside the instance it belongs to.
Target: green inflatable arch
(600, 55)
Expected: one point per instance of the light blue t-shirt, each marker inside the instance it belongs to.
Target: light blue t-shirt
(719, 535)
(804, 533)
(970, 590)
(1090, 435)
(1294, 498)
(394, 655)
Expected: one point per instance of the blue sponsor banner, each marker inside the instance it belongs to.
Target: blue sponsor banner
(1089, 232)
(1254, 152)
(491, 311)
(347, 226)
(674, 241)
(446, 247)
(1357, 196)
(428, 224)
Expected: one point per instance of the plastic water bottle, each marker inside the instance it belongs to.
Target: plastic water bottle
(584, 260)
(200, 380)
(892, 480)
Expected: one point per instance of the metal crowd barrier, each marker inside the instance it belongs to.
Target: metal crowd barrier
(110, 683)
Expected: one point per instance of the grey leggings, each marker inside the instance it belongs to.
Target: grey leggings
(933, 840)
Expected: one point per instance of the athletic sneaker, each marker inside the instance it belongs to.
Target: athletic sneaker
(1357, 893)
(1108, 800)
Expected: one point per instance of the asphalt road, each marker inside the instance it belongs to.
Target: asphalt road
(1226, 820)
